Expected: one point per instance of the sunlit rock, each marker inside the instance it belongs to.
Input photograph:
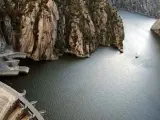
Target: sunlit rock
(46, 29)
(156, 27)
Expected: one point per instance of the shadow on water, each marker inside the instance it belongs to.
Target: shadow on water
(156, 37)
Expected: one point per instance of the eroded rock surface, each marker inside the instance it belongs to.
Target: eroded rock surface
(39, 30)
(51, 28)
(156, 27)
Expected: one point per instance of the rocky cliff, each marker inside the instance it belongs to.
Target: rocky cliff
(146, 7)
(46, 29)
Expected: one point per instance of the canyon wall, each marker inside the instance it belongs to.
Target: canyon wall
(146, 7)
(46, 29)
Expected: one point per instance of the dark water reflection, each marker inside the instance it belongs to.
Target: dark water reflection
(107, 86)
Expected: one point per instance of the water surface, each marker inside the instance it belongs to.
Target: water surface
(107, 86)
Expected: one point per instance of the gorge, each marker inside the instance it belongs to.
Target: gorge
(46, 29)
(107, 86)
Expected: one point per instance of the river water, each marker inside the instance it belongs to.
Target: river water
(106, 86)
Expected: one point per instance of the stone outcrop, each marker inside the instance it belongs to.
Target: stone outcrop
(38, 29)
(156, 27)
(146, 7)
(46, 29)
(6, 29)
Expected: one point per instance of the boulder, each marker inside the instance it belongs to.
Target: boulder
(156, 27)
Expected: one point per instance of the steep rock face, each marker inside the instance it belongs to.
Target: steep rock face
(38, 29)
(2, 39)
(50, 28)
(108, 24)
(146, 7)
(6, 29)
(81, 30)
(156, 27)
